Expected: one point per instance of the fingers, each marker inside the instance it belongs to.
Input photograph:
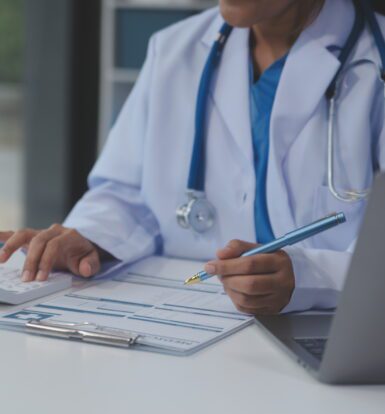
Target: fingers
(248, 291)
(15, 242)
(82, 257)
(250, 285)
(89, 265)
(42, 253)
(235, 248)
(60, 248)
(258, 264)
(260, 284)
(260, 301)
(256, 305)
(247, 301)
(55, 248)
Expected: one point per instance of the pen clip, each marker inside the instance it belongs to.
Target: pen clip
(70, 331)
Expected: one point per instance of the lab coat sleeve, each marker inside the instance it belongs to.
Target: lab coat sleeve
(319, 277)
(112, 213)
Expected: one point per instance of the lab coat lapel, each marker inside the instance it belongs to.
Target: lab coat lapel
(302, 88)
(309, 69)
(230, 88)
(308, 72)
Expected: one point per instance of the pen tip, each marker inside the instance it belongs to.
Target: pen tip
(192, 280)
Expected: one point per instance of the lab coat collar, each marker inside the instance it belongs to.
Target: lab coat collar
(332, 28)
(230, 88)
(211, 34)
(333, 24)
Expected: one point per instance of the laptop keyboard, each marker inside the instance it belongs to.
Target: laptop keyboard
(315, 346)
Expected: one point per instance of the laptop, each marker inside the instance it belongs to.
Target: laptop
(348, 346)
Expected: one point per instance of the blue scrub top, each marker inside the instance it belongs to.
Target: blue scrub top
(261, 104)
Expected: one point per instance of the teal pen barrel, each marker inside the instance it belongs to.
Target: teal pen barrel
(299, 234)
(291, 238)
(315, 228)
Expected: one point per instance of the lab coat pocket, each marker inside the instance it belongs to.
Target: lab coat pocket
(342, 236)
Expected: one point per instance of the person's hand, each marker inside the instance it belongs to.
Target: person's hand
(56, 248)
(258, 285)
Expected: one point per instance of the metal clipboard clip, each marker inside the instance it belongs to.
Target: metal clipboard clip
(78, 332)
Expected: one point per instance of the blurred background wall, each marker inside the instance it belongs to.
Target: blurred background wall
(66, 67)
(11, 108)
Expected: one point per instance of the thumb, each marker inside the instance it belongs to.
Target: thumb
(89, 265)
(234, 249)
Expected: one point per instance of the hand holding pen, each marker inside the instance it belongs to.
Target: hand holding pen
(256, 285)
(260, 279)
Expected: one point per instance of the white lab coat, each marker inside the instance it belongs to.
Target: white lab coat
(140, 178)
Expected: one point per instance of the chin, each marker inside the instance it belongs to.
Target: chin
(237, 16)
(246, 13)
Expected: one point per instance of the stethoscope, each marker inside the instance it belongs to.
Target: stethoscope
(198, 213)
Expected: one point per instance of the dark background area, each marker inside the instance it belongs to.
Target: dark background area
(11, 21)
(50, 80)
(61, 101)
(379, 6)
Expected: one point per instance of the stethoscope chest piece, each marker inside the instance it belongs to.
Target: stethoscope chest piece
(197, 214)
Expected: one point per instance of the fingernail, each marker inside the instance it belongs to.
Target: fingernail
(85, 269)
(41, 276)
(88, 269)
(26, 276)
(210, 269)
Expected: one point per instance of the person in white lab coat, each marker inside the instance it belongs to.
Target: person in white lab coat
(140, 178)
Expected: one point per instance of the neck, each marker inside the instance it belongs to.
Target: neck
(273, 38)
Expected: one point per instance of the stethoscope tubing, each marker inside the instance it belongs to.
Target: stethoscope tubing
(350, 196)
(196, 180)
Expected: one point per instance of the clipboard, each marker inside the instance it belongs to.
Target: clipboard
(138, 308)
(81, 332)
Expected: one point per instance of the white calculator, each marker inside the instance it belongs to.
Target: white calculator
(15, 292)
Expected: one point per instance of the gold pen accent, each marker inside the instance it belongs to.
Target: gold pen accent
(193, 280)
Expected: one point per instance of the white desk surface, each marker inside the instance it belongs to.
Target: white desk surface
(244, 373)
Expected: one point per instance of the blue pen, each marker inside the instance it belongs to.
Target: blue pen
(287, 240)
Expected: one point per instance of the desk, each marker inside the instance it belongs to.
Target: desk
(244, 373)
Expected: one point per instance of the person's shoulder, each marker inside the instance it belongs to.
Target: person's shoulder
(186, 31)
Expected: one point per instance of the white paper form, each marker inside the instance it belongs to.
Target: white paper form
(150, 300)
